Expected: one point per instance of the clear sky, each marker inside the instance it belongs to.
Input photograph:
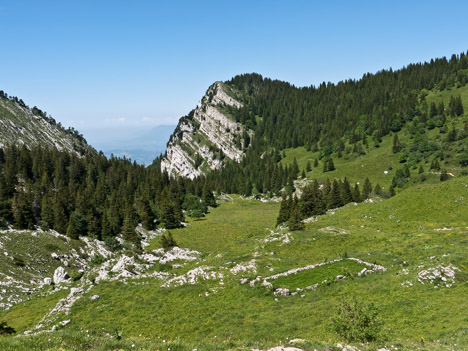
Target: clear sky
(123, 64)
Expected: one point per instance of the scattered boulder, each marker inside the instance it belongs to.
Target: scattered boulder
(47, 281)
(94, 297)
(297, 341)
(281, 292)
(64, 323)
(60, 275)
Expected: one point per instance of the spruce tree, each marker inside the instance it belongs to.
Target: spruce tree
(346, 193)
(169, 214)
(316, 163)
(443, 175)
(357, 194)
(208, 197)
(77, 225)
(308, 167)
(335, 199)
(378, 189)
(396, 144)
(285, 210)
(128, 228)
(366, 189)
(167, 241)
(295, 221)
(331, 165)
(392, 191)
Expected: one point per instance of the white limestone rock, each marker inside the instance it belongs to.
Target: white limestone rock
(60, 275)
(208, 123)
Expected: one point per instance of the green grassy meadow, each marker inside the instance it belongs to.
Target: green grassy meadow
(422, 227)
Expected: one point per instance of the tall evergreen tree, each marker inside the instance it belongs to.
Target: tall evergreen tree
(366, 189)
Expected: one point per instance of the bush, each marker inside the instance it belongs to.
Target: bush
(112, 244)
(167, 241)
(18, 261)
(97, 260)
(5, 329)
(357, 321)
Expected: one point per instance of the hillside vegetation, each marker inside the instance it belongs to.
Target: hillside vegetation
(235, 274)
(421, 229)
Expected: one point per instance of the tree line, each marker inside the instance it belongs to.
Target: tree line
(92, 195)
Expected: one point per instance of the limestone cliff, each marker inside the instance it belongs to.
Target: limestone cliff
(21, 125)
(207, 136)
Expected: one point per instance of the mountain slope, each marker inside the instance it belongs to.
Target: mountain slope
(278, 115)
(21, 125)
(207, 135)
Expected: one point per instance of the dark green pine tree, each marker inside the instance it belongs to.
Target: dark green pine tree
(106, 231)
(331, 165)
(452, 135)
(167, 241)
(406, 171)
(170, 214)
(366, 189)
(77, 225)
(285, 210)
(459, 106)
(22, 211)
(308, 167)
(128, 228)
(357, 194)
(335, 199)
(396, 144)
(295, 168)
(47, 214)
(392, 191)
(378, 190)
(208, 197)
(443, 175)
(421, 169)
(346, 193)
(316, 163)
(145, 213)
(6, 213)
(295, 220)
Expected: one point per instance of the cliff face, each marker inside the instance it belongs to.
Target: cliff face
(207, 136)
(21, 125)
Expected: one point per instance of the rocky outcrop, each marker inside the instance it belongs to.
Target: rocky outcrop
(21, 125)
(208, 135)
(60, 275)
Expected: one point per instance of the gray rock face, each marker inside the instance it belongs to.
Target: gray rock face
(204, 134)
(60, 275)
(23, 126)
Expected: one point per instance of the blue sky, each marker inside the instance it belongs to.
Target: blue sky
(136, 64)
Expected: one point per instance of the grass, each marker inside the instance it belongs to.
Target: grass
(423, 226)
(328, 273)
(399, 233)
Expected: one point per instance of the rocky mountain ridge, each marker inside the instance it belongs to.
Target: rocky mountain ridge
(22, 125)
(204, 138)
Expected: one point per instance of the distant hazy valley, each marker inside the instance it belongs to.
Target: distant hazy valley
(140, 145)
